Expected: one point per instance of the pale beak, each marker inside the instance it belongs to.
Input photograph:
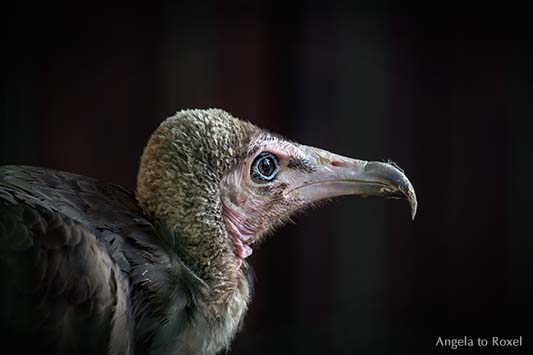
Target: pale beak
(334, 175)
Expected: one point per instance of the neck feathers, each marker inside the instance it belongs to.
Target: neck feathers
(179, 184)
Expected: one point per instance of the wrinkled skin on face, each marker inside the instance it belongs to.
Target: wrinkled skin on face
(253, 206)
(255, 202)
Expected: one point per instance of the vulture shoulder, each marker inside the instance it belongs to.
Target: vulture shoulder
(83, 270)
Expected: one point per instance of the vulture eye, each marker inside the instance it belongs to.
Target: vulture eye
(265, 167)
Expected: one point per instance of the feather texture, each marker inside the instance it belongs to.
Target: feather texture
(83, 270)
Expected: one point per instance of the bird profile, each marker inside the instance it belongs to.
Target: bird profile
(89, 267)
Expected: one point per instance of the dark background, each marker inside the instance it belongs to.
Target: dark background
(447, 97)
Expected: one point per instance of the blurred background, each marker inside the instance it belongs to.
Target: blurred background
(446, 97)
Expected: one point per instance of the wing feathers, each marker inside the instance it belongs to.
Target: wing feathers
(64, 281)
(92, 274)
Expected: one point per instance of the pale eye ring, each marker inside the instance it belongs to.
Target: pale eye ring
(265, 167)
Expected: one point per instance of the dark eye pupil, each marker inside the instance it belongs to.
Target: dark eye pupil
(266, 166)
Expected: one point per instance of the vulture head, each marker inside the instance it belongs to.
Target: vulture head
(221, 184)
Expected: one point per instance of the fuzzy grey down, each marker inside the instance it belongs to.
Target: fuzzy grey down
(179, 183)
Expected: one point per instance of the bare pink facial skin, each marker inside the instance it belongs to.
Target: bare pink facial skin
(305, 175)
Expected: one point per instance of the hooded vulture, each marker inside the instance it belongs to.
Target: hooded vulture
(88, 267)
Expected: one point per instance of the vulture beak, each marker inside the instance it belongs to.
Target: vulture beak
(334, 175)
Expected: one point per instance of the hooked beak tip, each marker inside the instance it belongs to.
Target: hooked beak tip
(396, 182)
(413, 203)
(410, 195)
